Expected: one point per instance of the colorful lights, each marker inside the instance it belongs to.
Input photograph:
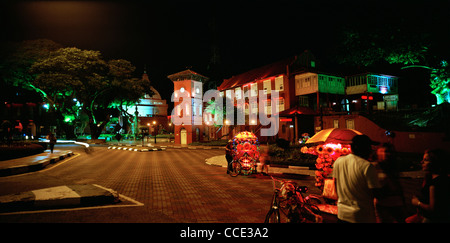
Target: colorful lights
(246, 151)
(69, 118)
(365, 97)
(440, 83)
(327, 154)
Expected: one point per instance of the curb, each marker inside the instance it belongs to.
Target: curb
(57, 197)
(35, 166)
(140, 148)
(220, 161)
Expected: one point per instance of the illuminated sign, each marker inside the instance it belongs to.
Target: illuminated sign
(286, 119)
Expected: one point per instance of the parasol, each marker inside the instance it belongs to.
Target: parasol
(246, 135)
(334, 135)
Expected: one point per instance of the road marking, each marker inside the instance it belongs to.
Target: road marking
(48, 167)
(60, 163)
(135, 204)
(120, 195)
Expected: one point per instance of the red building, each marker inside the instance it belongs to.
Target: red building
(309, 100)
(274, 76)
(188, 84)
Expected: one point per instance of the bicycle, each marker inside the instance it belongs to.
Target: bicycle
(235, 168)
(243, 165)
(290, 201)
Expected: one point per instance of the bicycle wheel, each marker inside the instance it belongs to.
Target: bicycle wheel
(273, 216)
(309, 214)
(235, 168)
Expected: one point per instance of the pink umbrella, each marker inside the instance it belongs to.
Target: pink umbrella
(334, 135)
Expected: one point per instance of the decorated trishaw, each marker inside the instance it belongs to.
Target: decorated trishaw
(245, 154)
(328, 145)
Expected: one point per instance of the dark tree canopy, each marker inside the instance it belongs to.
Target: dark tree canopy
(405, 34)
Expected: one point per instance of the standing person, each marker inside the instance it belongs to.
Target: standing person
(264, 159)
(434, 202)
(229, 154)
(391, 208)
(52, 140)
(356, 183)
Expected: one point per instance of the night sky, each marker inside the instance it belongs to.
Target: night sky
(169, 36)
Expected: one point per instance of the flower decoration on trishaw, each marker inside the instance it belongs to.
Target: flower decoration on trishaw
(246, 151)
(328, 145)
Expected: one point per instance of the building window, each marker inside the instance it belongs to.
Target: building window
(268, 107)
(228, 94)
(335, 123)
(306, 82)
(267, 86)
(298, 82)
(254, 107)
(281, 104)
(237, 93)
(254, 89)
(303, 101)
(279, 83)
(350, 124)
(345, 105)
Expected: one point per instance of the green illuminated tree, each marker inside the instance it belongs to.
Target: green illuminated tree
(19, 57)
(220, 113)
(404, 34)
(81, 78)
(77, 85)
(440, 82)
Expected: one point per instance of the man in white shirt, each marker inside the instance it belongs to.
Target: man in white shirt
(356, 183)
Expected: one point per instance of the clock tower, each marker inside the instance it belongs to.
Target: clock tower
(187, 114)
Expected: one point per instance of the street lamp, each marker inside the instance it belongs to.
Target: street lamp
(154, 130)
(149, 129)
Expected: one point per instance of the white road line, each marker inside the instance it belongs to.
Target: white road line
(136, 204)
(120, 195)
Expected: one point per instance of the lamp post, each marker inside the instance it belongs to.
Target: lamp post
(149, 129)
(154, 130)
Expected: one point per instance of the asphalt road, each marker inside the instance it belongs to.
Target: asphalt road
(172, 186)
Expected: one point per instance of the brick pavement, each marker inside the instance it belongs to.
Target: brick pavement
(181, 186)
(178, 186)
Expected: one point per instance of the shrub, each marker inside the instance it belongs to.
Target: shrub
(20, 150)
(291, 156)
